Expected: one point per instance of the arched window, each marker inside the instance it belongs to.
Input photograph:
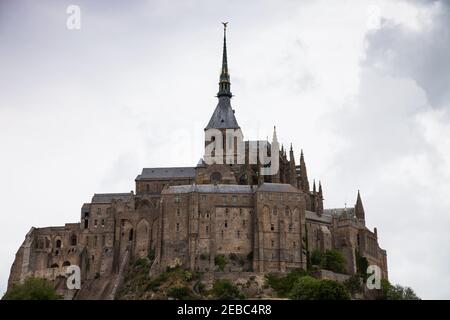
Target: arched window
(73, 240)
(66, 264)
(58, 243)
(130, 235)
(216, 177)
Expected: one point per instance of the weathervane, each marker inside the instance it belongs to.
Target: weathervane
(225, 25)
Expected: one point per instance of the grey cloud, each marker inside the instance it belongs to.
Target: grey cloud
(420, 55)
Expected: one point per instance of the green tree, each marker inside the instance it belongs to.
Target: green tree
(361, 265)
(220, 261)
(283, 285)
(224, 290)
(397, 292)
(333, 260)
(331, 290)
(33, 289)
(308, 288)
(305, 288)
(316, 257)
(353, 284)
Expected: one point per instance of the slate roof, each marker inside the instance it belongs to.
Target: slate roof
(108, 197)
(210, 188)
(340, 211)
(167, 173)
(277, 187)
(326, 218)
(223, 116)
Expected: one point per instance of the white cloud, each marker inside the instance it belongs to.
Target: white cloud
(84, 112)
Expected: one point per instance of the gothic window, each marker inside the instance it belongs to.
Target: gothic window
(207, 229)
(58, 243)
(95, 223)
(73, 240)
(216, 177)
(103, 222)
(226, 223)
(130, 235)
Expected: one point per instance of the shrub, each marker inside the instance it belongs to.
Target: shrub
(361, 265)
(284, 284)
(180, 292)
(353, 284)
(225, 290)
(397, 292)
(333, 260)
(305, 288)
(332, 290)
(33, 289)
(316, 257)
(308, 288)
(221, 262)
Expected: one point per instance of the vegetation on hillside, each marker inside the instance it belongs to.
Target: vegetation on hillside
(332, 260)
(32, 289)
(301, 285)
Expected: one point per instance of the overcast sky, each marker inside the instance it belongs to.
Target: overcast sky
(362, 86)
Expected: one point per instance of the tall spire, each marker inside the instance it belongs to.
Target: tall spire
(304, 183)
(224, 84)
(359, 209)
(223, 116)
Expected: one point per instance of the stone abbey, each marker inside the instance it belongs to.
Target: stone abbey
(189, 216)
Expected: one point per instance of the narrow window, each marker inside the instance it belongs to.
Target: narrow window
(178, 227)
(272, 227)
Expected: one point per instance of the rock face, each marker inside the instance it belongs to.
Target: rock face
(196, 217)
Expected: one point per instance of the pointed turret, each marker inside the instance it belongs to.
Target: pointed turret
(304, 183)
(275, 148)
(359, 209)
(319, 208)
(292, 171)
